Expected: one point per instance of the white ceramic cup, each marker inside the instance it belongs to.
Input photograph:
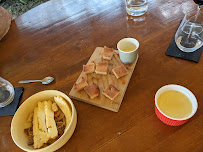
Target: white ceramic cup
(127, 57)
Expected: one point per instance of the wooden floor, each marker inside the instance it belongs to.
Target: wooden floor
(58, 37)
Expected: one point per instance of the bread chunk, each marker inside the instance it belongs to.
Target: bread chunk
(40, 131)
(107, 53)
(54, 107)
(81, 84)
(120, 71)
(44, 135)
(101, 68)
(41, 117)
(92, 90)
(88, 68)
(37, 140)
(111, 92)
(30, 117)
(50, 122)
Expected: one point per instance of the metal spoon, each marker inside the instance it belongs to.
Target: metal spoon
(46, 80)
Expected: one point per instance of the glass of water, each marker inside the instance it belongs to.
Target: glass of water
(6, 92)
(136, 7)
(189, 36)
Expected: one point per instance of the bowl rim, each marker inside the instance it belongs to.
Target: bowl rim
(172, 86)
(73, 110)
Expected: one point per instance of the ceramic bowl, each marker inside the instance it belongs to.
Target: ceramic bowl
(175, 121)
(19, 122)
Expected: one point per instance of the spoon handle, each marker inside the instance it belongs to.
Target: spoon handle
(28, 81)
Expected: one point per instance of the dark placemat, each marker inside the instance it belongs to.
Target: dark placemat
(13, 106)
(174, 51)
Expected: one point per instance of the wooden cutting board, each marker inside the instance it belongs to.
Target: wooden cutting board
(103, 81)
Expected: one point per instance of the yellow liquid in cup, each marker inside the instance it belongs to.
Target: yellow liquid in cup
(174, 104)
(130, 47)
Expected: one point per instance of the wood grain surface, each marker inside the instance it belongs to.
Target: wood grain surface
(103, 81)
(59, 36)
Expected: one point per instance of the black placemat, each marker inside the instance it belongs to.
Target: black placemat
(174, 51)
(13, 106)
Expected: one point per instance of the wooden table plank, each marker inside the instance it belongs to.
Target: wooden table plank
(158, 137)
(184, 139)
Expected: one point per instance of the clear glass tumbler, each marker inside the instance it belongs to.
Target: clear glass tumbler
(136, 7)
(6, 92)
(189, 36)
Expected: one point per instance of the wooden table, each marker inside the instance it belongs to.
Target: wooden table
(58, 37)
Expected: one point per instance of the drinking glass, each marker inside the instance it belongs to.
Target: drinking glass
(136, 7)
(6, 92)
(189, 36)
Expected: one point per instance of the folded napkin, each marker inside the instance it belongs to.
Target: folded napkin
(13, 106)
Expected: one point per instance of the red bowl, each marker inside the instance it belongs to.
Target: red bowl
(175, 121)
